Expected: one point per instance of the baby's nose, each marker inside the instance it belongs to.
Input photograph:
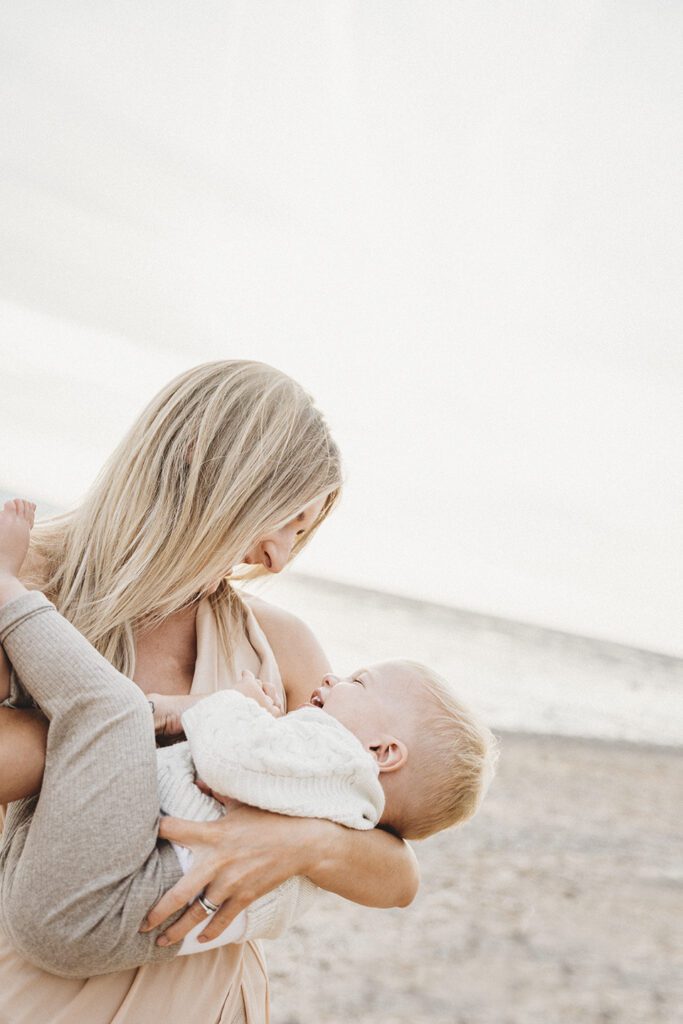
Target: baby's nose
(330, 680)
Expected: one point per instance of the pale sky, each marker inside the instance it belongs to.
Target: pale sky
(458, 224)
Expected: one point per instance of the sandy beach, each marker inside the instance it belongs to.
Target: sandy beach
(561, 903)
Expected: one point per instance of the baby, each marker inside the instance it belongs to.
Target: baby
(390, 745)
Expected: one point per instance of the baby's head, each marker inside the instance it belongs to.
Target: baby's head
(435, 758)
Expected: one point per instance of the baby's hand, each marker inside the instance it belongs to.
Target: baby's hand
(263, 693)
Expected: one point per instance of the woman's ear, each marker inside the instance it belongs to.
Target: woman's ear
(389, 753)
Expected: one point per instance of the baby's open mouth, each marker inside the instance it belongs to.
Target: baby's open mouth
(316, 699)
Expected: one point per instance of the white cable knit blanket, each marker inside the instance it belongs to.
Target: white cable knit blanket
(305, 764)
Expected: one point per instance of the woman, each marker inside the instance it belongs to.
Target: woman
(230, 464)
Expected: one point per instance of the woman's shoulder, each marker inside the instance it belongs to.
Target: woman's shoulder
(272, 615)
(300, 658)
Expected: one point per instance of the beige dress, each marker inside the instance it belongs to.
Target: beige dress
(225, 985)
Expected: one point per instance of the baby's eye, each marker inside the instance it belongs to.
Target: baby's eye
(360, 682)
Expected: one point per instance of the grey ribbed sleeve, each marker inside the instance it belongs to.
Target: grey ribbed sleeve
(81, 865)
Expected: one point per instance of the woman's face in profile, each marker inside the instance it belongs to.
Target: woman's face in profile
(274, 549)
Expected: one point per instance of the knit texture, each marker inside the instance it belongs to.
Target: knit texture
(305, 764)
(178, 795)
(270, 915)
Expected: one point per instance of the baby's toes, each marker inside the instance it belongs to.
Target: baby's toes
(25, 510)
(21, 509)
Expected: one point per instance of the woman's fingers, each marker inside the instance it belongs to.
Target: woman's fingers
(175, 899)
(223, 917)
(195, 883)
(203, 878)
(180, 830)
(235, 861)
(187, 833)
(193, 916)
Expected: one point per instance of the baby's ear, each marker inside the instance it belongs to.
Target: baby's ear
(389, 753)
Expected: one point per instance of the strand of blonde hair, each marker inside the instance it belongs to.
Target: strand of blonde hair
(224, 454)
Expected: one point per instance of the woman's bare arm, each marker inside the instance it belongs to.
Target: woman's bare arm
(22, 753)
(250, 852)
(4, 676)
(23, 733)
(372, 868)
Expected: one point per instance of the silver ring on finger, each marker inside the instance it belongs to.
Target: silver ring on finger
(207, 906)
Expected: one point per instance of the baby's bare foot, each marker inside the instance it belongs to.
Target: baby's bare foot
(16, 520)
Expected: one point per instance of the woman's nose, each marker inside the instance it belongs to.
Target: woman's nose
(274, 555)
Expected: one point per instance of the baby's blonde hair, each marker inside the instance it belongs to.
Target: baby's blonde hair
(223, 455)
(452, 759)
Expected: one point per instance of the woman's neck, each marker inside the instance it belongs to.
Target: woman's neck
(166, 655)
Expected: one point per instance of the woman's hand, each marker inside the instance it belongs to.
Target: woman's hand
(250, 852)
(168, 711)
(234, 862)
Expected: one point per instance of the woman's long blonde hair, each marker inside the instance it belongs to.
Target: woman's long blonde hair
(223, 455)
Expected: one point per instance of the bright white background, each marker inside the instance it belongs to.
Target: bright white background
(459, 224)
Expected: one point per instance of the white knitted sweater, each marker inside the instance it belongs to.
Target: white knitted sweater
(305, 764)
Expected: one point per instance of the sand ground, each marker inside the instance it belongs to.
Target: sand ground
(561, 902)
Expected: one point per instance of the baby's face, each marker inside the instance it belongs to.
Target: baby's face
(371, 701)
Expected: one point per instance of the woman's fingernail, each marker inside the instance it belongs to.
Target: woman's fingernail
(202, 938)
(144, 927)
(163, 941)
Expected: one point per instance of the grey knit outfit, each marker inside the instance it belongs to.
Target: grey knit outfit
(82, 919)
